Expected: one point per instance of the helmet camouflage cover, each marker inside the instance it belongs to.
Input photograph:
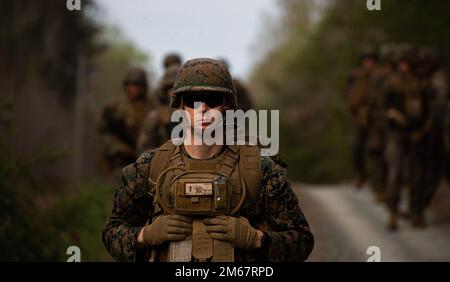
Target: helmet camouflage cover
(172, 59)
(135, 75)
(204, 75)
(405, 52)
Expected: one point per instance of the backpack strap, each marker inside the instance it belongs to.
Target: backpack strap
(161, 160)
(250, 170)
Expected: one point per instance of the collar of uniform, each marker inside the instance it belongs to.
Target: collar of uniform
(222, 151)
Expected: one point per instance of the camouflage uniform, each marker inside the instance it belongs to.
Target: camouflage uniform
(286, 231)
(405, 110)
(121, 122)
(377, 130)
(290, 238)
(434, 88)
(157, 126)
(447, 141)
(358, 99)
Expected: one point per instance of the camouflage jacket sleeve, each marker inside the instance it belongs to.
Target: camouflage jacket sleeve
(289, 237)
(130, 211)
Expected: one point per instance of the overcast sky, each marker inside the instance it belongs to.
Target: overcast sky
(194, 28)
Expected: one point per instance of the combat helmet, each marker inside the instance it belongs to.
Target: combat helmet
(135, 75)
(172, 59)
(368, 52)
(387, 53)
(204, 75)
(405, 52)
(429, 55)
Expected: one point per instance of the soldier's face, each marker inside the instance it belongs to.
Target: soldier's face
(368, 63)
(134, 91)
(198, 106)
(403, 66)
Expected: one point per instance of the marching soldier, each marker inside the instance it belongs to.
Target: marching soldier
(430, 135)
(378, 123)
(122, 120)
(405, 114)
(157, 125)
(357, 98)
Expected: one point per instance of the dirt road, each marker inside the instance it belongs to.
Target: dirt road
(347, 222)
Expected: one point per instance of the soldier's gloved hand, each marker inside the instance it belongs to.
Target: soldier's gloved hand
(167, 228)
(237, 231)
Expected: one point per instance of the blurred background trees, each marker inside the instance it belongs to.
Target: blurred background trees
(58, 68)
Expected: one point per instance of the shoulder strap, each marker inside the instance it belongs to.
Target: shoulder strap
(250, 170)
(160, 161)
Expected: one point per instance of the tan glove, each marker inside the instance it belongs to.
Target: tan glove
(237, 231)
(167, 228)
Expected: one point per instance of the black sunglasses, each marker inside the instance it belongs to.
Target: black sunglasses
(211, 99)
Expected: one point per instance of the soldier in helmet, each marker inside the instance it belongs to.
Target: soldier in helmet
(187, 202)
(244, 101)
(172, 59)
(357, 97)
(157, 126)
(405, 111)
(376, 162)
(122, 119)
(430, 135)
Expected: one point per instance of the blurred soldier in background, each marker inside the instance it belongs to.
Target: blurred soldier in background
(429, 137)
(157, 126)
(122, 120)
(357, 98)
(447, 141)
(172, 59)
(377, 123)
(404, 110)
(244, 100)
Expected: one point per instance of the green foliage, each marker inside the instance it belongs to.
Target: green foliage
(77, 219)
(305, 75)
(38, 224)
(39, 220)
(110, 64)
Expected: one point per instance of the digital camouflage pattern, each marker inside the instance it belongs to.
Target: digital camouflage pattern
(120, 125)
(288, 234)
